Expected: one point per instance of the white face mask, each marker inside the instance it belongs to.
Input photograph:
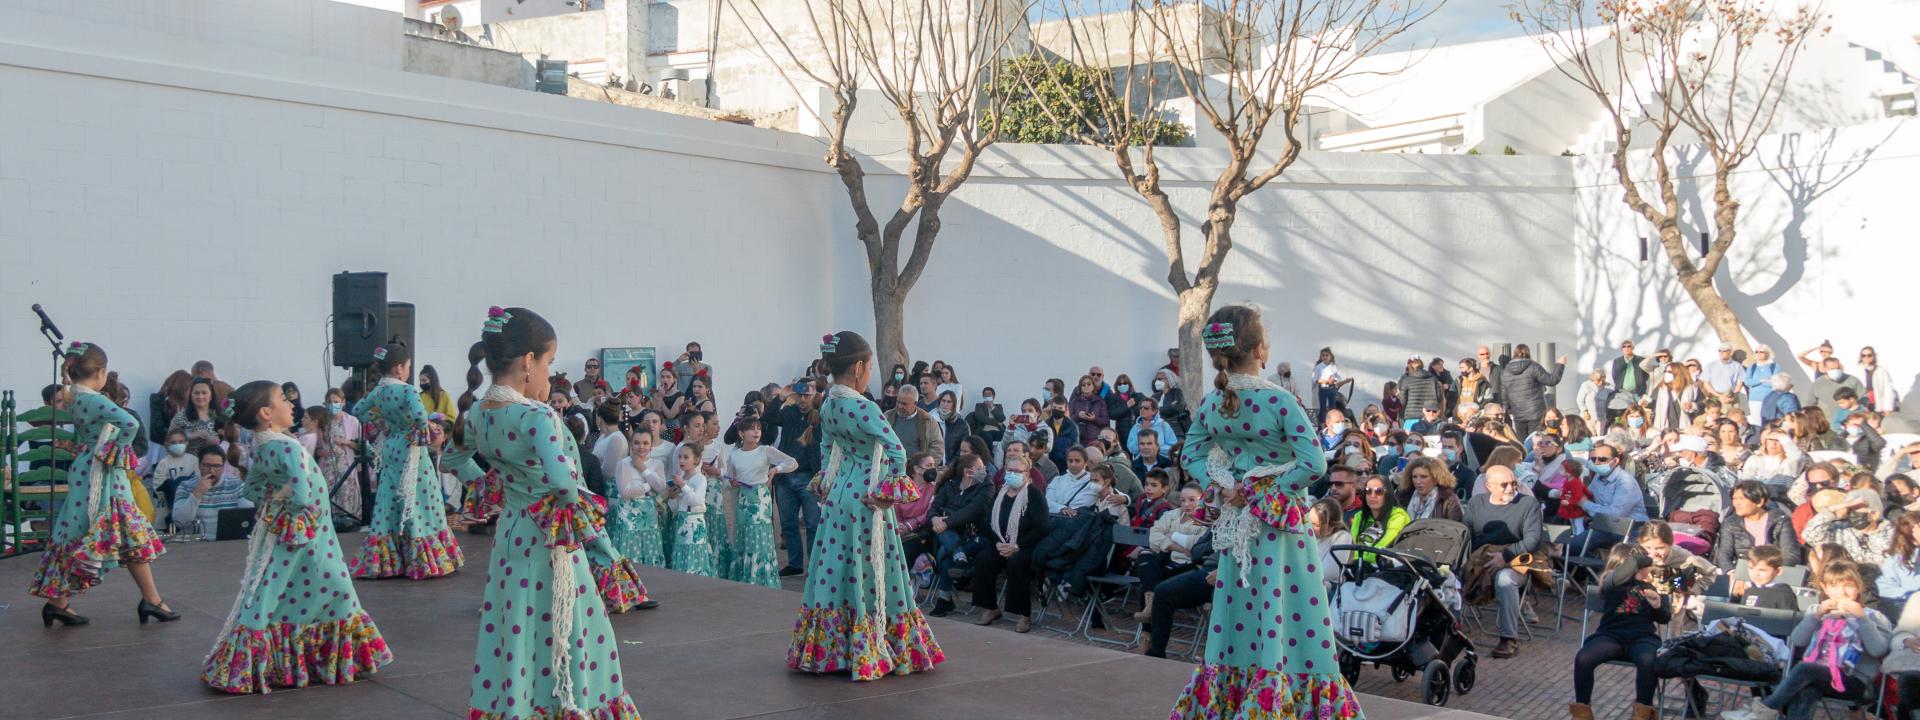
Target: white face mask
(1335, 429)
(1159, 386)
(1835, 374)
(1016, 480)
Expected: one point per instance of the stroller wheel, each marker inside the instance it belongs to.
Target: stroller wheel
(1401, 674)
(1349, 668)
(1435, 683)
(1463, 674)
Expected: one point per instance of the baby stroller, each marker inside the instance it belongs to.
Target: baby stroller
(1399, 607)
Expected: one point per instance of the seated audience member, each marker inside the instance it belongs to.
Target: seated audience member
(1150, 424)
(1899, 577)
(1016, 521)
(1079, 545)
(1427, 491)
(1188, 590)
(1845, 641)
(1862, 440)
(1123, 478)
(1762, 588)
(1628, 630)
(1073, 490)
(218, 488)
(1753, 521)
(1614, 492)
(1864, 534)
(988, 419)
(1040, 449)
(1689, 573)
(957, 520)
(1506, 527)
(1152, 456)
(1819, 479)
(1778, 462)
(1343, 486)
(174, 469)
(1019, 461)
(1064, 431)
(1154, 500)
(1429, 423)
(1327, 522)
(910, 519)
(1170, 544)
(1380, 518)
(1903, 495)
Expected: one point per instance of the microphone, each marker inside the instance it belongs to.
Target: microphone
(46, 323)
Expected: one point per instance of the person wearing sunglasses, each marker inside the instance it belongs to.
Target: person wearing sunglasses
(1506, 524)
(1380, 518)
(1882, 395)
(1612, 490)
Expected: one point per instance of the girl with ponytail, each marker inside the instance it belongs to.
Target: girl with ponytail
(99, 526)
(483, 491)
(1252, 439)
(407, 533)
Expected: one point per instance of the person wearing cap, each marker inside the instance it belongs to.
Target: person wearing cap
(1430, 422)
(1629, 374)
(1418, 387)
(1628, 630)
(1758, 380)
(1865, 534)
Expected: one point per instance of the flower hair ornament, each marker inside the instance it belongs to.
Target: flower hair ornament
(1217, 336)
(497, 318)
(77, 348)
(380, 353)
(829, 343)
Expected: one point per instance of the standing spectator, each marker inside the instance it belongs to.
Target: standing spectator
(988, 418)
(1595, 400)
(1327, 381)
(1676, 401)
(1485, 367)
(1506, 524)
(669, 400)
(1099, 380)
(1418, 387)
(799, 425)
(610, 449)
(1524, 385)
(1816, 365)
(173, 393)
(917, 429)
(435, 397)
(1474, 386)
(1391, 403)
(1830, 380)
(1630, 375)
(1170, 400)
(203, 370)
(690, 365)
(1724, 376)
(1122, 402)
(582, 389)
(1881, 395)
(1089, 407)
(198, 420)
(1283, 376)
(1757, 378)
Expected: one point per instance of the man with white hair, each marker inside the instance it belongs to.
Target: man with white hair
(1506, 524)
(1723, 374)
(1781, 402)
(917, 429)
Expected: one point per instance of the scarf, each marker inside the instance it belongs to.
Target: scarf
(1835, 645)
(1010, 533)
(1421, 506)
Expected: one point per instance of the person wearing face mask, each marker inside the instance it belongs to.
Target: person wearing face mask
(1865, 442)
(1064, 432)
(166, 476)
(988, 419)
(1015, 522)
(1830, 380)
(1549, 468)
(1171, 401)
(1614, 492)
(1335, 428)
(1857, 524)
(957, 522)
(1122, 402)
(911, 517)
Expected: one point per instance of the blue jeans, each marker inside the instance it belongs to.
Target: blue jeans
(795, 501)
(946, 545)
(1799, 693)
(1328, 396)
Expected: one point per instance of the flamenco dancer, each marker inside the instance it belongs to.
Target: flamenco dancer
(483, 492)
(99, 527)
(407, 534)
(857, 614)
(297, 620)
(546, 648)
(1271, 652)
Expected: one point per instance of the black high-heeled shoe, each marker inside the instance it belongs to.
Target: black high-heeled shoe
(66, 616)
(149, 610)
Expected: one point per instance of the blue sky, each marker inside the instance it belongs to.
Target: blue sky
(1462, 21)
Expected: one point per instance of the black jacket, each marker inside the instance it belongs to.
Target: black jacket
(987, 418)
(1419, 387)
(792, 423)
(1033, 525)
(964, 509)
(1734, 541)
(1524, 383)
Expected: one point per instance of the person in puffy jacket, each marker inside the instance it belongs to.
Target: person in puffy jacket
(1419, 387)
(1524, 384)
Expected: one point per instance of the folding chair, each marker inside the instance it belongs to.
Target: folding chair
(1778, 623)
(1572, 559)
(1124, 536)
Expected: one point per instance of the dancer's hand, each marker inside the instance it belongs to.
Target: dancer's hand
(876, 502)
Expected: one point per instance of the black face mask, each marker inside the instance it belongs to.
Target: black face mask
(929, 474)
(1057, 414)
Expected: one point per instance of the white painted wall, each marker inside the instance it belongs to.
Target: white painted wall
(1826, 249)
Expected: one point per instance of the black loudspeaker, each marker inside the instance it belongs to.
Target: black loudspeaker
(400, 329)
(359, 317)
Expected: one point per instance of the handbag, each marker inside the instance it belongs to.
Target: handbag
(1374, 611)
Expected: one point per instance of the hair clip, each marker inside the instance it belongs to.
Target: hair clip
(1218, 336)
(497, 318)
(380, 353)
(829, 344)
(77, 348)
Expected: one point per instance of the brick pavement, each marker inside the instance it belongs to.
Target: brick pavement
(1536, 684)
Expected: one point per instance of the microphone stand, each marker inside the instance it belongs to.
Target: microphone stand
(47, 333)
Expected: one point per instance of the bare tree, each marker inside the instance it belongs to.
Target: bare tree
(934, 62)
(1711, 71)
(1249, 67)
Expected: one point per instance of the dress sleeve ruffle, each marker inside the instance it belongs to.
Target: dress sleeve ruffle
(567, 521)
(1270, 503)
(296, 526)
(897, 490)
(486, 495)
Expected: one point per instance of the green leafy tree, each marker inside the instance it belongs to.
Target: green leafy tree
(1047, 101)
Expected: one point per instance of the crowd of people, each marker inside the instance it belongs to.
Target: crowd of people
(1029, 491)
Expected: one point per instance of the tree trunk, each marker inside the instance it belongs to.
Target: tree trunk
(1196, 303)
(889, 331)
(1719, 314)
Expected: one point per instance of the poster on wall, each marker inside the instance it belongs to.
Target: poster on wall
(616, 362)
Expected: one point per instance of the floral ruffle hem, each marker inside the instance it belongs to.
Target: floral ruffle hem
(567, 524)
(119, 536)
(295, 527)
(292, 656)
(486, 496)
(899, 490)
(417, 558)
(620, 708)
(620, 587)
(833, 639)
(1261, 694)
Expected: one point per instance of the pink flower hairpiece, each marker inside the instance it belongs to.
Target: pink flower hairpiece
(497, 318)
